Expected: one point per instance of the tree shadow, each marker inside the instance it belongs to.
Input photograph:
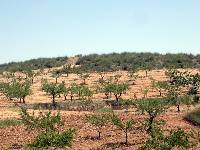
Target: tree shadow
(114, 145)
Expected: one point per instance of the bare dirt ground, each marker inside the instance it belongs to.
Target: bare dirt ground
(85, 139)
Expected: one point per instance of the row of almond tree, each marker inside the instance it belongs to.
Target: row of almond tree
(181, 87)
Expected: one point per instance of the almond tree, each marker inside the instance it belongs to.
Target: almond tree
(125, 126)
(49, 136)
(52, 89)
(118, 89)
(153, 108)
(99, 120)
(132, 75)
(67, 70)
(161, 85)
(24, 90)
(84, 76)
(72, 90)
(30, 74)
(56, 74)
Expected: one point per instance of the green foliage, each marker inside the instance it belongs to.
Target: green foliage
(117, 89)
(53, 139)
(44, 122)
(175, 139)
(111, 62)
(193, 117)
(47, 125)
(125, 126)
(178, 78)
(16, 89)
(153, 108)
(34, 64)
(127, 61)
(84, 76)
(161, 85)
(53, 89)
(82, 91)
(194, 81)
(9, 122)
(100, 119)
(73, 90)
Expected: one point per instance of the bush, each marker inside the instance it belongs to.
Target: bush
(193, 117)
(9, 122)
(46, 124)
(53, 139)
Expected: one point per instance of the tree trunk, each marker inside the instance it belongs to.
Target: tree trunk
(117, 98)
(65, 97)
(84, 82)
(20, 100)
(150, 123)
(71, 97)
(53, 100)
(160, 92)
(126, 132)
(178, 108)
(56, 80)
(146, 73)
(99, 136)
(23, 100)
(107, 95)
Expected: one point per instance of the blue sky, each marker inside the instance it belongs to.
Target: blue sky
(50, 28)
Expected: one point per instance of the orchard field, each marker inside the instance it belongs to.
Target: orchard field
(86, 135)
(81, 110)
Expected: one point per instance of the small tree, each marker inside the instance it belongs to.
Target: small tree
(56, 74)
(161, 85)
(194, 82)
(72, 90)
(67, 70)
(105, 87)
(102, 75)
(49, 136)
(24, 90)
(175, 139)
(84, 76)
(118, 89)
(64, 90)
(173, 94)
(52, 89)
(132, 75)
(145, 92)
(99, 120)
(153, 108)
(30, 74)
(16, 89)
(125, 126)
(84, 92)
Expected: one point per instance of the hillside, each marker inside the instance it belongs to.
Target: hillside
(111, 62)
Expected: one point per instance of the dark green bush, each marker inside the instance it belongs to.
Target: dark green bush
(53, 139)
(9, 122)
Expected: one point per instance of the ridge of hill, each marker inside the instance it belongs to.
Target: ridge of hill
(110, 62)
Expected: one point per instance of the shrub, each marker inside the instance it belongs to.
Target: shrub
(49, 135)
(175, 139)
(9, 122)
